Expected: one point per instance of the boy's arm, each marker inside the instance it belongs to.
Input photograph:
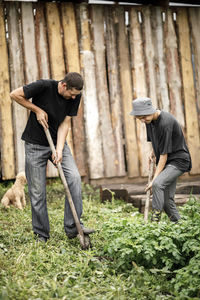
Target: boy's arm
(159, 168)
(63, 130)
(19, 96)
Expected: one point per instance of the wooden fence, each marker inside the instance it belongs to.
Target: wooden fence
(123, 53)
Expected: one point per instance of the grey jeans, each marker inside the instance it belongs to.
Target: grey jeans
(164, 187)
(37, 157)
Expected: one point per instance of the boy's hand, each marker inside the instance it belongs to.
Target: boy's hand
(42, 118)
(58, 158)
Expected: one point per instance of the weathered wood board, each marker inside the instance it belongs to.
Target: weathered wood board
(7, 146)
(108, 143)
(114, 90)
(194, 17)
(140, 86)
(126, 88)
(173, 69)
(28, 30)
(91, 112)
(73, 65)
(161, 74)
(193, 138)
(17, 80)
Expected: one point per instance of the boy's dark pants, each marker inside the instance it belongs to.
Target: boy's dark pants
(163, 189)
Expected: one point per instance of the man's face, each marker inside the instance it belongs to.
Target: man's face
(68, 94)
(145, 119)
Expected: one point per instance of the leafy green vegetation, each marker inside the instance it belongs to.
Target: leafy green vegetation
(129, 259)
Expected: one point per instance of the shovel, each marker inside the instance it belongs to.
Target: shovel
(84, 239)
(146, 209)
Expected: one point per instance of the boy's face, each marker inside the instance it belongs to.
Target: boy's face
(145, 119)
(68, 94)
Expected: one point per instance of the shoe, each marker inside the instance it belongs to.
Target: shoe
(41, 239)
(156, 215)
(87, 231)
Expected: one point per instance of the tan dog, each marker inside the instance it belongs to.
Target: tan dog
(15, 195)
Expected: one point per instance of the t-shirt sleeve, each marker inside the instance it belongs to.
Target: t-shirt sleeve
(165, 141)
(74, 108)
(33, 89)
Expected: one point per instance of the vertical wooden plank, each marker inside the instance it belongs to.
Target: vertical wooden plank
(194, 14)
(126, 86)
(43, 61)
(173, 69)
(91, 113)
(150, 55)
(28, 30)
(140, 86)
(193, 137)
(108, 143)
(17, 80)
(41, 42)
(73, 65)
(159, 49)
(7, 146)
(114, 89)
(57, 63)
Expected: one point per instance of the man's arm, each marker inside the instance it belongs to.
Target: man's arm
(159, 168)
(63, 130)
(19, 97)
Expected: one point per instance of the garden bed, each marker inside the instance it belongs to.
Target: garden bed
(129, 259)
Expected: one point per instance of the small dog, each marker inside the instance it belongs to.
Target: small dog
(15, 195)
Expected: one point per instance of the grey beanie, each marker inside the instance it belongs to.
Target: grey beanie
(142, 107)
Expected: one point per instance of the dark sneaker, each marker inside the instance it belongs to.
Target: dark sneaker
(156, 215)
(41, 239)
(85, 230)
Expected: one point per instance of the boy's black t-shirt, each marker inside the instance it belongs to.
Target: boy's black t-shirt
(167, 138)
(44, 94)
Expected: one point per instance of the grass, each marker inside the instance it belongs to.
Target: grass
(59, 269)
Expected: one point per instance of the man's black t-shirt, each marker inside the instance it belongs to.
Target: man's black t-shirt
(167, 138)
(44, 94)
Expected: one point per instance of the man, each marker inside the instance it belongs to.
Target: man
(53, 102)
(171, 152)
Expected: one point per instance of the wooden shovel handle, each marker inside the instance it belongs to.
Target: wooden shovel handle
(146, 209)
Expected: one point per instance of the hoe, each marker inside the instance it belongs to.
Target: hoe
(83, 238)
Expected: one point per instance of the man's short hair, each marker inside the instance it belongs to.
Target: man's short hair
(73, 80)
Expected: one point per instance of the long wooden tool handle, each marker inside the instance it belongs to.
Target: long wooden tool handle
(62, 176)
(146, 209)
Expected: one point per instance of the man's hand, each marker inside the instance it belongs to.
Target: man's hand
(42, 118)
(151, 158)
(149, 187)
(58, 158)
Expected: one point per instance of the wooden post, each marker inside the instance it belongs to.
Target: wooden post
(173, 69)
(114, 89)
(43, 61)
(108, 142)
(91, 113)
(17, 80)
(57, 63)
(7, 146)
(73, 65)
(127, 96)
(140, 87)
(193, 137)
